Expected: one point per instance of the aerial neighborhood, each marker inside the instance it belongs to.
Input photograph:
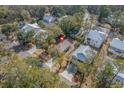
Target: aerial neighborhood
(62, 46)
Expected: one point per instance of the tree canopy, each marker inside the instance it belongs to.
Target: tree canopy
(25, 38)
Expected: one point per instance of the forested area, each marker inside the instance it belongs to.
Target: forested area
(29, 72)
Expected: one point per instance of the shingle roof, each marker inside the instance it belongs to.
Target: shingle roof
(117, 43)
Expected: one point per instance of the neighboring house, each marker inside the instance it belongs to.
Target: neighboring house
(117, 47)
(35, 27)
(84, 54)
(68, 74)
(64, 46)
(29, 27)
(120, 78)
(104, 30)
(48, 19)
(95, 38)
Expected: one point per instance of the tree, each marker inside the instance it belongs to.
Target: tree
(79, 17)
(121, 25)
(8, 29)
(69, 26)
(22, 73)
(104, 12)
(4, 12)
(71, 10)
(25, 38)
(57, 11)
(25, 15)
(116, 18)
(105, 77)
(40, 13)
(41, 24)
(93, 9)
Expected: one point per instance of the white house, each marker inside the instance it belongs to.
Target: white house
(36, 28)
(84, 54)
(95, 38)
(117, 47)
(68, 74)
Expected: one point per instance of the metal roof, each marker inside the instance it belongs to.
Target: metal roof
(83, 53)
(117, 43)
(96, 35)
(29, 27)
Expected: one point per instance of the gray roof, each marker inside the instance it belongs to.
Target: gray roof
(71, 68)
(96, 35)
(84, 53)
(48, 18)
(62, 46)
(117, 43)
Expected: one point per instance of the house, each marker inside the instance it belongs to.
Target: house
(120, 78)
(104, 30)
(36, 29)
(48, 19)
(117, 47)
(68, 74)
(84, 54)
(64, 46)
(95, 38)
(29, 27)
